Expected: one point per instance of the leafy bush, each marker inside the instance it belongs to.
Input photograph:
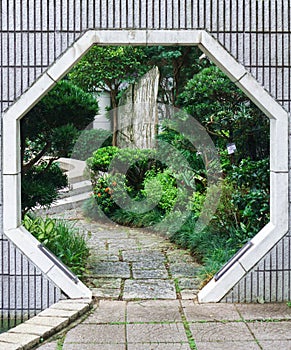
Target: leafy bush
(109, 192)
(101, 159)
(89, 141)
(242, 212)
(132, 219)
(161, 188)
(134, 163)
(62, 239)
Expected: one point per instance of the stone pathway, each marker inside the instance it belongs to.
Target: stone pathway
(145, 292)
(130, 264)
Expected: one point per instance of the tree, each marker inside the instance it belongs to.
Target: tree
(176, 66)
(109, 68)
(226, 113)
(50, 130)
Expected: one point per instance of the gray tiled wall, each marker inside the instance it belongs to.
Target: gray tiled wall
(33, 33)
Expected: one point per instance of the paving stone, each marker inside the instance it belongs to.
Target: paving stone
(7, 346)
(145, 274)
(105, 293)
(25, 340)
(218, 331)
(158, 346)
(71, 314)
(28, 328)
(184, 270)
(235, 345)
(142, 256)
(123, 244)
(264, 311)
(149, 289)
(49, 346)
(188, 283)
(73, 306)
(102, 256)
(57, 323)
(94, 346)
(188, 294)
(276, 344)
(159, 333)
(112, 235)
(209, 312)
(271, 330)
(92, 333)
(108, 311)
(111, 269)
(179, 256)
(148, 264)
(110, 283)
(153, 311)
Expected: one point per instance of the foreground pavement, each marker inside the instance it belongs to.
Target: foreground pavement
(179, 325)
(145, 299)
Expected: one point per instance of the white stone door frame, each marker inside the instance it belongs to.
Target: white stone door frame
(214, 291)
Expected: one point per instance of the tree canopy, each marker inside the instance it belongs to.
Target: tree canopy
(50, 130)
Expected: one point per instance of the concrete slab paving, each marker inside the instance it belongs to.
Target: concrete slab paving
(277, 311)
(94, 346)
(218, 331)
(184, 270)
(103, 293)
(158, 346)
(156, 333)
(276, 344)
(96, 333)
(154, 311)
(235, 345)
(107, 312)
(209, 312)
(270, 330)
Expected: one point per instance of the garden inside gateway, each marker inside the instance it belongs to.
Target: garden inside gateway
(181, 143)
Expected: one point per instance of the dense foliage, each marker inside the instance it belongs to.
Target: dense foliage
(175, 196)
(49, 131)
(109, 68)
(90, 140)
(62, 239)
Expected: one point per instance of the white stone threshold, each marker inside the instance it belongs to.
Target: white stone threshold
(47, 323)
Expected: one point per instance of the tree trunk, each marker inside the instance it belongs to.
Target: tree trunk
(138, 113)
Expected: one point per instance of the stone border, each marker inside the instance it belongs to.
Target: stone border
(47, 323)
(262, 242)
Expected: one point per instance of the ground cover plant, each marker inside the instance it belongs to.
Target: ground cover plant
(61, 238)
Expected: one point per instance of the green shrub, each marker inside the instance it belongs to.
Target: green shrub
(109, 192)
(132, 219)
(161, 188)
(135, 163)
(102, 158)
(62, 239)
(89, 141)
(243, 210)
(40, 185)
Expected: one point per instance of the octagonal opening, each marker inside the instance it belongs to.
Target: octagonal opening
(265, 239)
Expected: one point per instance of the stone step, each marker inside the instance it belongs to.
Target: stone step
(67, 203)
(76, 188)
